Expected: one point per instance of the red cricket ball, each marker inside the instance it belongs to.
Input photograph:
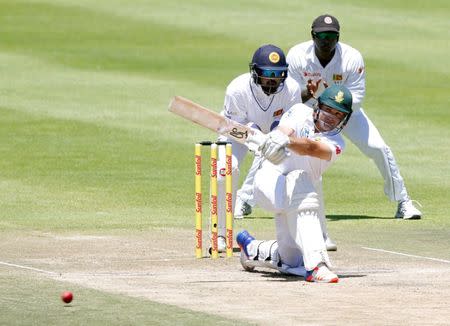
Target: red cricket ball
(67, 296)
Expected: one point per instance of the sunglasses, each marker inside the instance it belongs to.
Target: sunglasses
(327, 35)
(272, 73)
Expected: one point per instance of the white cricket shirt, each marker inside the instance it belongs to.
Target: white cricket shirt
(245, 102)
(346, 68)
(300, 119)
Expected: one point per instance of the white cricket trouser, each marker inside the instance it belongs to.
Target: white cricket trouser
(299, 234)
(245, 193)
(363, 133)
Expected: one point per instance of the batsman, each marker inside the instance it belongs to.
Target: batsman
(296, 154)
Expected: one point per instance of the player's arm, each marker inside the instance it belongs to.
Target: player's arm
(311, 89)
(356, 80)
(233, 107)
(273, 146)
(306, 146)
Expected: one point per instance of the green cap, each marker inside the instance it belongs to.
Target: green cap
(337, 97)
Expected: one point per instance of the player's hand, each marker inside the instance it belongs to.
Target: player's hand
(256, 140)
(315, 88)
(312, 86)
(274, 149)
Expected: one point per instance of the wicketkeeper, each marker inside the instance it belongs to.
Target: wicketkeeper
(257, 98)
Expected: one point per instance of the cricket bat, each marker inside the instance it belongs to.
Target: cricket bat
(209, 119)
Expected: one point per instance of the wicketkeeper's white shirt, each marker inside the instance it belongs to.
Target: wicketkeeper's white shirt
(245, 102)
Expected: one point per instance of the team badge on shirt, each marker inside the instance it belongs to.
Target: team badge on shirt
(278, 113)
(338, 150)
(337, 77)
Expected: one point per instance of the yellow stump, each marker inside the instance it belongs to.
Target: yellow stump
(229, 200)
(214, 217)
(198, 200)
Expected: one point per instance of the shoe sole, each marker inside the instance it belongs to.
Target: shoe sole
(333, 280)
(414, 217)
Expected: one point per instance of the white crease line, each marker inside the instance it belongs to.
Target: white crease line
(408, 255)
(29, 268)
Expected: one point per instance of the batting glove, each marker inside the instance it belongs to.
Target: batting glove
(274, 149)
(256, 140)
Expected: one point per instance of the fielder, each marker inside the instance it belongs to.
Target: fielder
(285, 185)
(324, 61)
(258, 98)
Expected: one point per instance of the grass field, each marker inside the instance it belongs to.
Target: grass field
(96, 177)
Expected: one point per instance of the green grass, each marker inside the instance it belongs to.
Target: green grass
(87, 144)
(28, 301)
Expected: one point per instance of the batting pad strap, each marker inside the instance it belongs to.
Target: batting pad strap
(263, 253)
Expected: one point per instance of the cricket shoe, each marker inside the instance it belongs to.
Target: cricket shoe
(321, 274)
(243, 239)
(241, 209)
(330, 244)
(407, 211)
(221, 245)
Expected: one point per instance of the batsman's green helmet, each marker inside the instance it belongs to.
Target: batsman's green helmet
(337, 97)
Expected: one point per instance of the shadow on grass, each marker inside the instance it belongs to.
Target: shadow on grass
(258, 217)
(330, 217)
(356, 217)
